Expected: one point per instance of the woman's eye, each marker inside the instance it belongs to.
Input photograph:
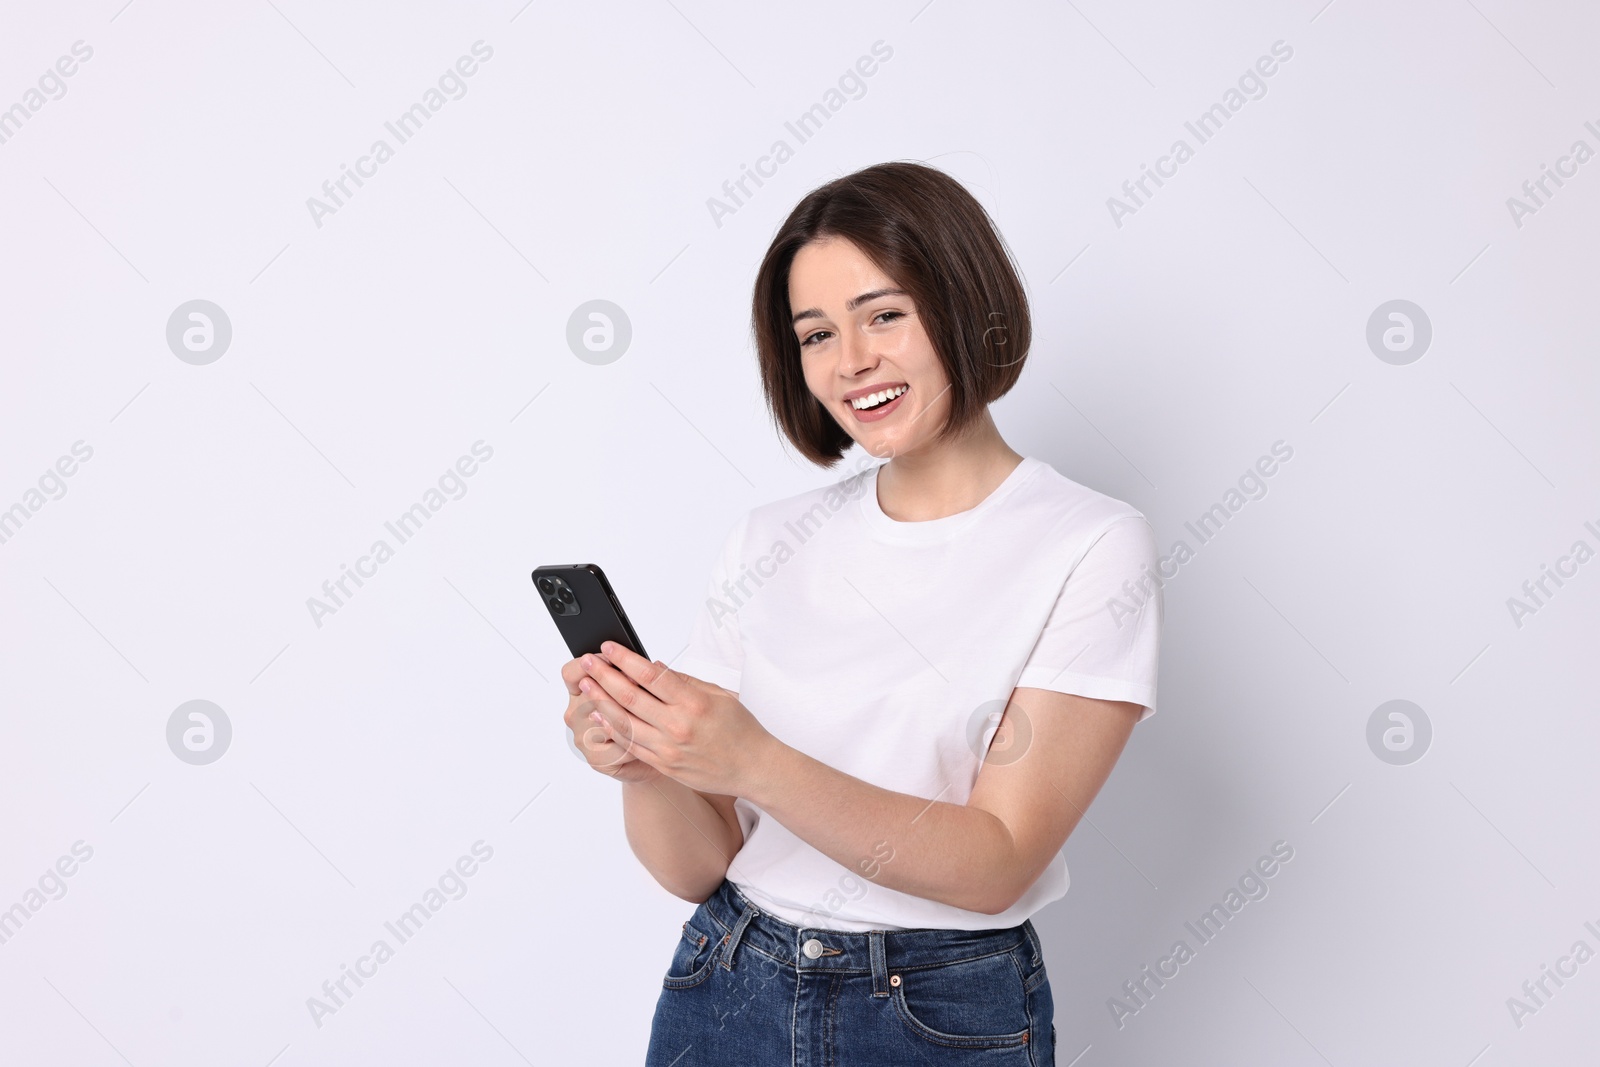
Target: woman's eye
(882, 316)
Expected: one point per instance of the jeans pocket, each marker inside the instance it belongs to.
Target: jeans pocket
(977, 1003)
(692, 959)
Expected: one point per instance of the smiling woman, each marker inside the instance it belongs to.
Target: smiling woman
(922, 269)
(919, 706)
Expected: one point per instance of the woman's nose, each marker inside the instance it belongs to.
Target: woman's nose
(855, 352)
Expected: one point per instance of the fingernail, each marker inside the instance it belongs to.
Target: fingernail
(596, 717)
(585, 685)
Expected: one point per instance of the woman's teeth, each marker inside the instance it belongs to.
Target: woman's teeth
(872, 400)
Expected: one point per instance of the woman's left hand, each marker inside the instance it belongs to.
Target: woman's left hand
(690, 730)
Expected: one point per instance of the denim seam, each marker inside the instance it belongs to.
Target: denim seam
(735, 937)
(878, 963)
(905, 969)
(834, 989)
(699, 974)
(1033, 974)
(762, 952)
(1033, 939)
(1027, 1002)
(938, 1037)
(857, 971)
(909, 968)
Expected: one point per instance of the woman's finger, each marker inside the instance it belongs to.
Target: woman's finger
(594, 741)
(620, 726)
(621, 689)
(571, 672)
(653, 676)
(598, 748)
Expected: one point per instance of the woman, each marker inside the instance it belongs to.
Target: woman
(906, 686)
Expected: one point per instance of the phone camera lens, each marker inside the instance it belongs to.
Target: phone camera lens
(546, 586)
(566, 595)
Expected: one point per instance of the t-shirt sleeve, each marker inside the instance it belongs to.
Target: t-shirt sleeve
(1103, 636)
(715, 652)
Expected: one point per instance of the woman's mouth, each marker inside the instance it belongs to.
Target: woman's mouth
(878, 405)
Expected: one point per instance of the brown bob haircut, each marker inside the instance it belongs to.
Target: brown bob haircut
(925, 231)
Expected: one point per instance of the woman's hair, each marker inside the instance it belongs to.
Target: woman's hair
(928, 234)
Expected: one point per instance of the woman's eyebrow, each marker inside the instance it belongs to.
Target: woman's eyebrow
(813, 313)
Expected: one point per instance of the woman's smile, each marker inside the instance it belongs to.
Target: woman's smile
(879, 404)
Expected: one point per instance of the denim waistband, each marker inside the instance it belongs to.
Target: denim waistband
(744, 926)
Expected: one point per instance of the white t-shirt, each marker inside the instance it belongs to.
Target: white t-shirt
(888, 650)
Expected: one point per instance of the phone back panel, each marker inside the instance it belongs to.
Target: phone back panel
(599, 617)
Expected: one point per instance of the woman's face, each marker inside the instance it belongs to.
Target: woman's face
(859, 334)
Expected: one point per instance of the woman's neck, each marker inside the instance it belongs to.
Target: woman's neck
(955, 476)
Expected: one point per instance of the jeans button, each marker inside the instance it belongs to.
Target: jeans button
(812, 948)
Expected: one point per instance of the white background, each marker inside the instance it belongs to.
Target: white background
(430, 312)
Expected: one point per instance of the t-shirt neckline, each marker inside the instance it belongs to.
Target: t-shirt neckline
(933, 531)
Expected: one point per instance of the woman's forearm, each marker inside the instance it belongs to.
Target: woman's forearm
(951, 853)
(679, 837)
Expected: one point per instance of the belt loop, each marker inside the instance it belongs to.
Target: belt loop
(734, 935)
(1033, 938)
(880, 965)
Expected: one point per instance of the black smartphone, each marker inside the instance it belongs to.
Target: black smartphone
(586, 610)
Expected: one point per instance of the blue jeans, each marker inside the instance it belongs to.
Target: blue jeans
(747, 989)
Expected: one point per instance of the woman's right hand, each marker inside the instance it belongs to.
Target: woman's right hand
(605, 755)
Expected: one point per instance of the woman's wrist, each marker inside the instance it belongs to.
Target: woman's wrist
(766, 770)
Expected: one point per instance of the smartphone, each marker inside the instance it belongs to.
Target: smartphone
(586, 610)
